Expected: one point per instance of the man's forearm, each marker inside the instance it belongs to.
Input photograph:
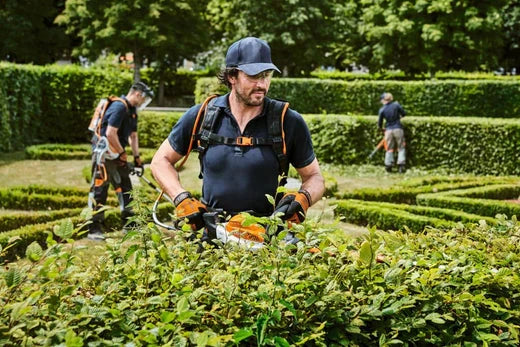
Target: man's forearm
(115, 145)
(315, 185)
(164, 172)
(134, 144)
(167, 177)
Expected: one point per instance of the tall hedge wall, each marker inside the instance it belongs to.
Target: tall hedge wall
(20, 106)
(69, 95)
(483, 98)
(154, 127)
(476, 145)
(53, 103)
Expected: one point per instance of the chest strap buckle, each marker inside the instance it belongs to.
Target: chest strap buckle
(244, 141)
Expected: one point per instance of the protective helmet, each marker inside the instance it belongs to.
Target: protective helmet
(146, 92)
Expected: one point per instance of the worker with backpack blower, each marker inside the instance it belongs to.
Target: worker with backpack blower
(245, 142)
(114, 126)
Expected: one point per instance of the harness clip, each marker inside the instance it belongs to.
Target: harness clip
(244, 141)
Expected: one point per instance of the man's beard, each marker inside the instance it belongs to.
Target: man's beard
(250, 101)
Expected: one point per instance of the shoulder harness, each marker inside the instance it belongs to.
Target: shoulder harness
(204, 136)
(99, 114)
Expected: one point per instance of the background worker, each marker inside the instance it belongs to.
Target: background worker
(392, 112)
(237, 178)
(120, 128)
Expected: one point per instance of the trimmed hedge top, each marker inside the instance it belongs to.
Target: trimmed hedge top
(482, 98)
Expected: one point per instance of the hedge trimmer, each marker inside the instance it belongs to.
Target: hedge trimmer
(234, 230)
(381, 144)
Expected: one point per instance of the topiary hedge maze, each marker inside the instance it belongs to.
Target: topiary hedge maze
(436, 202)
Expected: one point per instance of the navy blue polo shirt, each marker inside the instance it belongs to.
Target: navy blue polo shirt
(392, 113)
(237, 178)
(119, 117)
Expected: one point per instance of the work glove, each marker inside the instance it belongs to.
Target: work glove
(294, 206)
(138, 163)
(187, 207)
(122, 159)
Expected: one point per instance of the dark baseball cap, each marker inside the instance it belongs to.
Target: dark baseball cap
(251, 55)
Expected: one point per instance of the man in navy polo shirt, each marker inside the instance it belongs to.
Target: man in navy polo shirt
(237, 178)
(119, 126)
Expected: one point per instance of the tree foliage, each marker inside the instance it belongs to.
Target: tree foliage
(415, 36)
(511, 17)
(28, 34)
(423, 36)
(163, 31)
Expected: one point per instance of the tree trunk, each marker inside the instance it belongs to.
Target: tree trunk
(138, 63)
(160, 99)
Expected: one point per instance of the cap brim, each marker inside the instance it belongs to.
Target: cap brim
(256, 68)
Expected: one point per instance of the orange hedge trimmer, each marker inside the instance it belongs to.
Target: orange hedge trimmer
(380, 145)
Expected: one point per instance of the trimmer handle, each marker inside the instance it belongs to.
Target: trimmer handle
(139, 170)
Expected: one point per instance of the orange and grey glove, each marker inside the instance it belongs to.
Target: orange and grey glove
(187, 207)
(294, 206)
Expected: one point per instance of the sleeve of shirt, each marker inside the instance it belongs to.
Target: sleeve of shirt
(380, 119)
(115, 114)
(180, 136)
(402, 112)
(300, 151)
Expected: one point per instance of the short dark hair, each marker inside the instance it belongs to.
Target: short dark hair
(225, 73)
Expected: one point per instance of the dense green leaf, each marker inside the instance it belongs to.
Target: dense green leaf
(34, 252)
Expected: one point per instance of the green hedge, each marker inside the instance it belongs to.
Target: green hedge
(482, 200)
(454, 287)
(39, 233)
(69, 95)
(386, 217)
(16, 220)
(380, 214)
(51, 103)
(51, 151)
(154, 127)
(58, 151)
(406, 192)
(494, 192)
(483, 98)
(58, 191)
(16, 199)
(472, 145)
(26, 235)
(483, 207)
(21, 108)
(400, 76)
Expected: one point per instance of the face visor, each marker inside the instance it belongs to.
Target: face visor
(147, 95)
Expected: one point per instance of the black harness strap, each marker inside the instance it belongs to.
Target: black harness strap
(239, 141)
(275, 111)
(208, 123)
